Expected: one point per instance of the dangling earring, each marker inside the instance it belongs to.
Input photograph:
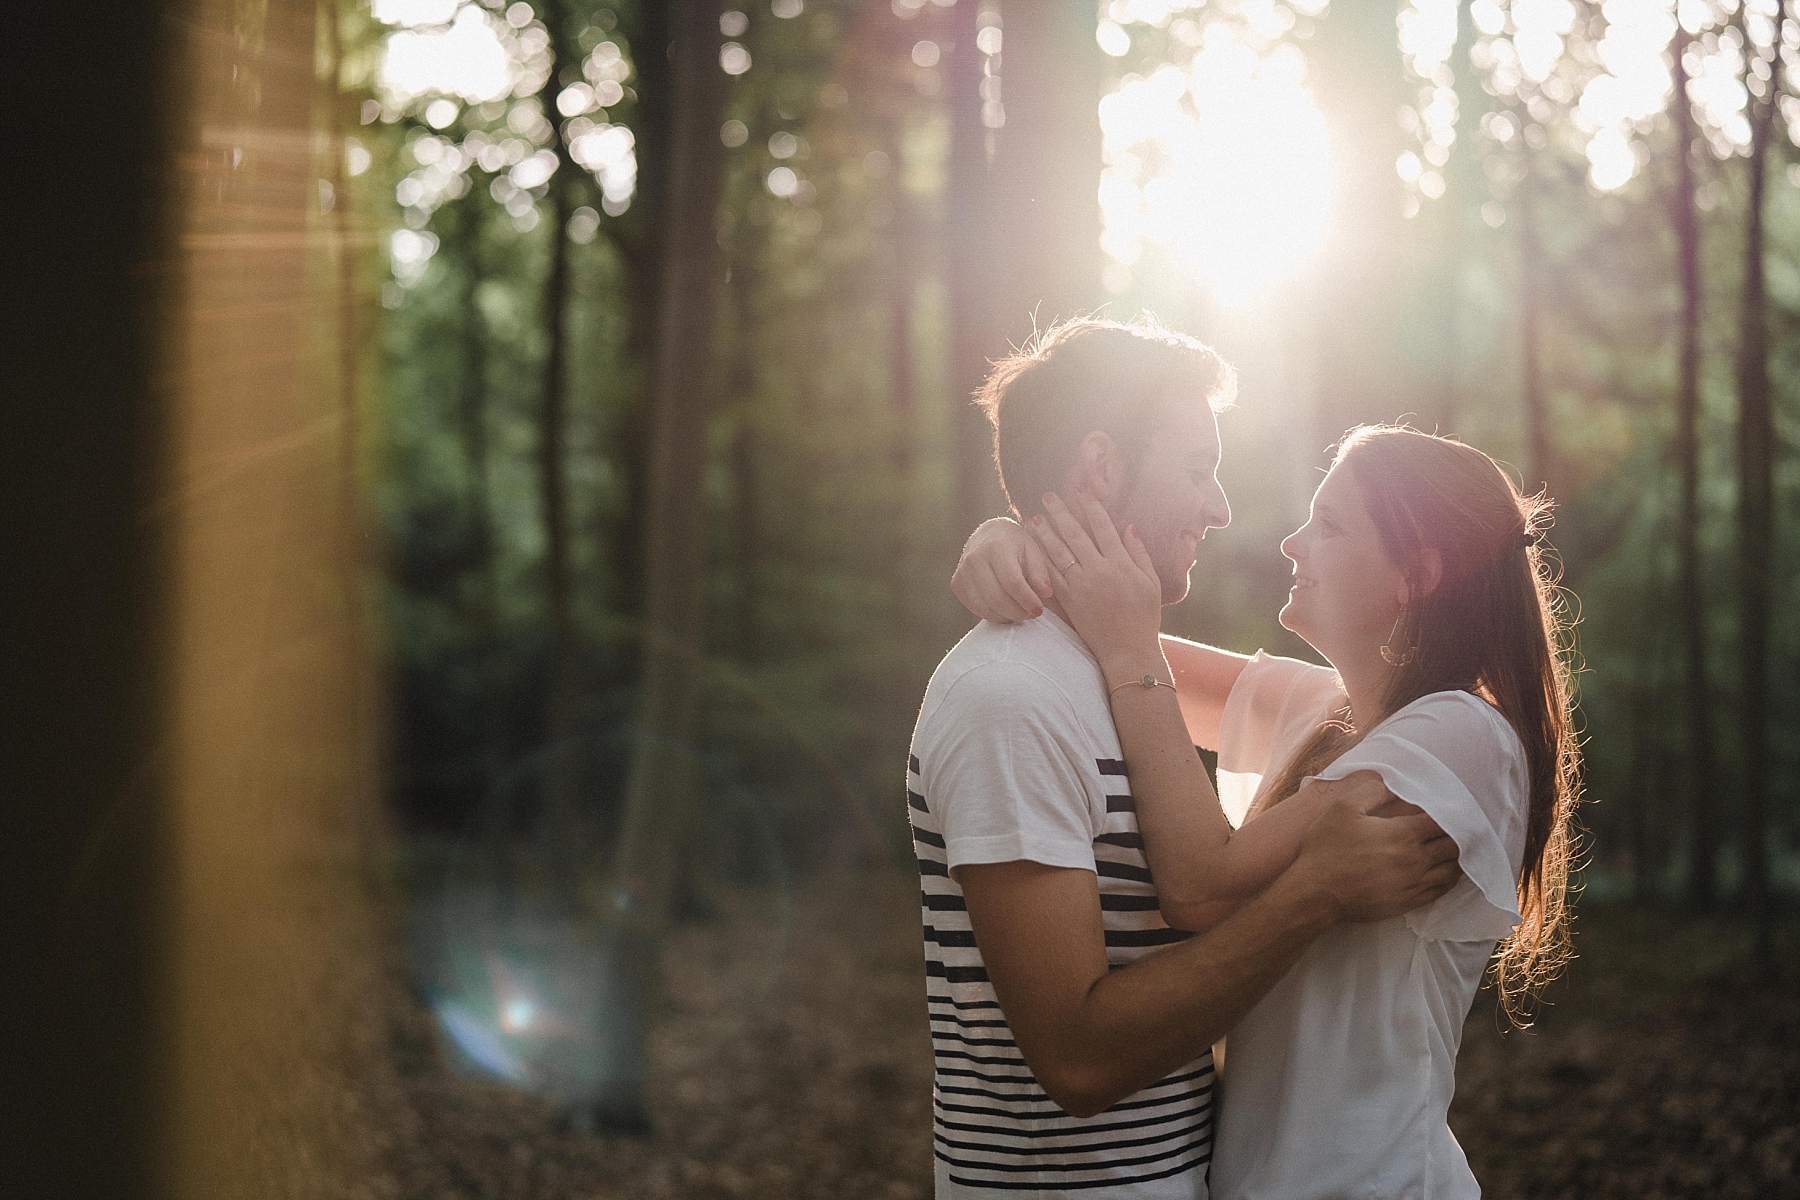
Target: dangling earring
(1389, 655)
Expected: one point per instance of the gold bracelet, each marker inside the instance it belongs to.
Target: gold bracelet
(1148, 681)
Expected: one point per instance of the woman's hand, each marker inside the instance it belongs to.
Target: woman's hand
(1106, 585)
(1002, 574)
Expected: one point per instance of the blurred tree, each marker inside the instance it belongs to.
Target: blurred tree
(1702, 781)
(659, 782)
(977, 326)
(553, 419)
(1756, 501)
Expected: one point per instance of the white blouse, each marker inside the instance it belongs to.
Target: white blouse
(1337, 1083)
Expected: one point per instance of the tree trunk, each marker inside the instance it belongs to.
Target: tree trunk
(1703, 811)
(747, 535)
(975, 331)
(1531, 364)
(472, 425)
(1756, 510)
(1045, 184)
(562, 715)
(1025, 218)
(1460, 204)
(637, 233)
(660, 774)
(1359, 77)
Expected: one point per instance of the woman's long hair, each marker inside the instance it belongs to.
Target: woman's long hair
(1495, 626)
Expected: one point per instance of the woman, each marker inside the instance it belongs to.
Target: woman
(1419, 577)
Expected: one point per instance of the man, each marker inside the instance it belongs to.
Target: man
(1072, 1027)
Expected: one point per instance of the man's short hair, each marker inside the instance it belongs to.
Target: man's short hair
(1085, 375)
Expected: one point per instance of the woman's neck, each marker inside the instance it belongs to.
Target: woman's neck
(1365, 678)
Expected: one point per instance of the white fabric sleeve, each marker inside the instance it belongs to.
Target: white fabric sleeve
(1454, 756)
(1007, 779)
(1273, 705)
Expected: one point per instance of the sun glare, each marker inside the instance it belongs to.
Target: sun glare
(1222, 163)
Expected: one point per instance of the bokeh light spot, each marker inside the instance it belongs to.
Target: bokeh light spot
(1113, 39)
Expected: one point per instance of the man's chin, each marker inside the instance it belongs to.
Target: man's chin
(1176, 593)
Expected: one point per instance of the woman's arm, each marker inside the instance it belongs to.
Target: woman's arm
(1003, 576)
(1204, 677)
(1203, 868)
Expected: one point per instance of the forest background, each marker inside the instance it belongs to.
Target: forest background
(1565, 232)
(492, 482)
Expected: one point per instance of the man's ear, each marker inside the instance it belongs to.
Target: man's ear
(1099, 467)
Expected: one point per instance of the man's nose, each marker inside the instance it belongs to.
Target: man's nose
(1220, 515)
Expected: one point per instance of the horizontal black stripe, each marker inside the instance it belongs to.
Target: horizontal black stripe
(1118, 902)
(1123, 1105)
(927, 838)
(1069, 1185)
(1130, 841)
(1081, 1130)
(964, 1023)
(931, 999)
(981, 1060)
(912, 763)
(1098, 1147)
(1055, 1110)
(960, 1073)
(950, 1035)
(958, 939)
(950, 974)
(928, 867)
(1193, 1100)
(1203, 1124)
(1172, 1080)
(1110, 766)
(1146, 937)
(916, 801)
(1112, 870)
(1120, 804)
(956, 903)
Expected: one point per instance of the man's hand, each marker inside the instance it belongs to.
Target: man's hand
(1372, 865)
(1002, 574)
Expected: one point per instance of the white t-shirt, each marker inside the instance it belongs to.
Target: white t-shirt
(1015, 757)
(1336, 1085)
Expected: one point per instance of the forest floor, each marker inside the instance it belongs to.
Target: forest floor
(790, 1059)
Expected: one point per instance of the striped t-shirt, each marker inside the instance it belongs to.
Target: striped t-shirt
(1015, 757)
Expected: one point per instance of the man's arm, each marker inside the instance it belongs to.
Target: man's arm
(1093, 1036)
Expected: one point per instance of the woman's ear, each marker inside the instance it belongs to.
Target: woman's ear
(1431, 571)
(1098, 466)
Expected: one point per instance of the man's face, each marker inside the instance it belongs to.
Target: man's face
(1175, 497)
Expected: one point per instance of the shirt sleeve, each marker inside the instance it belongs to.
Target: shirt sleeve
(1457, 758)
(1007, 780)
(1273, 704)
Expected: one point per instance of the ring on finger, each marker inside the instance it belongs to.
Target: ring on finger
(1073, 563)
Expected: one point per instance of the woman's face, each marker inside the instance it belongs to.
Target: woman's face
(1347, 592)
